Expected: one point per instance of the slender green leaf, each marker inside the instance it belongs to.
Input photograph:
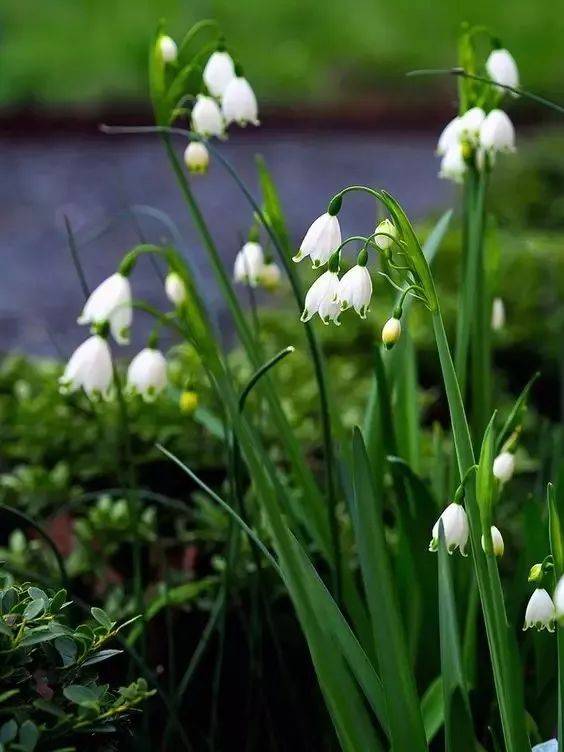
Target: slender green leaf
(516, 414)
(433, 708)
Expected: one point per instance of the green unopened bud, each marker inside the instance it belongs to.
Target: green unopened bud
(535, 573)
(362, 258)
(335, 205)
(334, 262)
(384, 234)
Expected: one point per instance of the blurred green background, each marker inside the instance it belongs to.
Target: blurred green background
(56, 52)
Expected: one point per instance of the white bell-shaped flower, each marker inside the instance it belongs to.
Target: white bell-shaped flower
(540, 612)
(270, 276)
(196, 157)
(239, 104)
(502, 68)
(455, 525)
(391, 332)
(168, 49)
(219, 72)
(175, 289)
(384, 234)
(323, 298)
(453, 165)
(321, 240)
(470, 124)
(550, 746)
(498, 314)
(207, 119)
(89, 368)
(497, 542)
(110, 302)
(449, 136)
(558, 599)
(504, 467)
(497, 132)
(356, 290)
(249, 264)
(146, 374)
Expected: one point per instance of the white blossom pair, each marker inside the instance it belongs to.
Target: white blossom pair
(252, 268)
(456, 532)
(543, 611)
(329, 296)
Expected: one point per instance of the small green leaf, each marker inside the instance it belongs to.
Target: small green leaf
(101, 617)
(29, 735)
(37, 635)
(67, 649)
(100, 656)
(57, 601)
(4, 628)
(8, 731)
(50, 707)
(80, 695)
(33, 609)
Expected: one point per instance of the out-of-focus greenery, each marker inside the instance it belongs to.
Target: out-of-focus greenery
(78, 51)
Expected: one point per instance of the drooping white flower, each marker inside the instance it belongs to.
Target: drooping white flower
(497, 542)
(323, 298)
(110, 302)
(497, 132)
(498, 314)
(449, 137)
(239, 104)
(540, 612)
(391, 332)
(455, 525)
(89, 368)
(502, 68)
(175, 289)
(219, 72)
(550, 746)
(504, 466)
(168, 49)
(470, 124)
(270, 276)
(249, 264)
(558, 599)
(207, 119)
(322, 238)
(356, 290)
(146, 374)
(384, 234)
(453, 164)
(196, 157)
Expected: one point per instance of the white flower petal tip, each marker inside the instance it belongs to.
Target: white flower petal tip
(356, 290)
(323, 298)
(497, 132)
(455, 527)
(470, 124)
(450, 136)
(239, 104)
(207, 119)
(168, 49)
(219, 72)
(175, 289)
(453, 165)
(498, 315)
(502, 68)
(540, 613)
(196, 158)
(147, 374)
(110, 302)
(321, 240)
(504, 467)
(89, 368)
(249, 264)
(498, 545)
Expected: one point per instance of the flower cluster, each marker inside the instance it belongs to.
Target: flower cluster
(109, 310)
(477, 135)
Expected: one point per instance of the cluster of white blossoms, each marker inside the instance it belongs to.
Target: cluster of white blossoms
(543, 611)
(254, 269)
(476, 136)
(229, 98)
(456, 531)
(109, 310)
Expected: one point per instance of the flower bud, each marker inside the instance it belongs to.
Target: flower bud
(540, 612)
(175, 289)
(270, 276)
(497, 542)
(219, 72)
(456, 530)
(504, 467)
(196, 157)
(249, 264)
(497, 132)
(168, 49)
(384, 234)
(147, 374)
(536, 572)
(391, 332)
(188, 402)
(90, 368)
(502, 68)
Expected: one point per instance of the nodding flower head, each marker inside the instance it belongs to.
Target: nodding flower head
(207, 119)
(249, 264)
(168, 49)
(175, 289)
(321, 240)
(110, 302)
(239, 103)
(385, 234)
(450, 136)
(196, 157)
(502, 68)
(470, 124)
(323, 298)
(455, 526)
(391, 332)
(146, 374)
(219, 72)
(356, 290)
(540, 613)
(89, 368)
(504, 467)
(453, 164)
(497, 132)
(497, 542)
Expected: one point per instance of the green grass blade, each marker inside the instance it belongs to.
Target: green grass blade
(433, 708)
(516, 415)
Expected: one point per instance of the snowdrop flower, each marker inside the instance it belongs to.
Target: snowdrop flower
(206, 117)
(356, 288)
(270, 276)
(497, 132)
(391, 332)
(146, 374)
(89, 367)
(323, 298)
(549, 746)
(498, 314)
(455, 525)
(111, 302)
(322, 238)
(175, 289)
(504, 467)
(249, 264)
(239, 103)
(450, 136)
(497, 542)
(470, 124)
(453, 164)
(219, 72)
(382, 234)
(168, 49)
(196, 157)
(540, 612)
(559, 599)
(502, 68)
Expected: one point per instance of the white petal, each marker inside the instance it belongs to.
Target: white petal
(249, 264)
(497, 132)
(218, 73)
(239, 103)
(502, 68)
(147, 373)
(206, 117)
(449, 136)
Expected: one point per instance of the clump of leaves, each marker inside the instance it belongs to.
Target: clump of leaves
(50, 694)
